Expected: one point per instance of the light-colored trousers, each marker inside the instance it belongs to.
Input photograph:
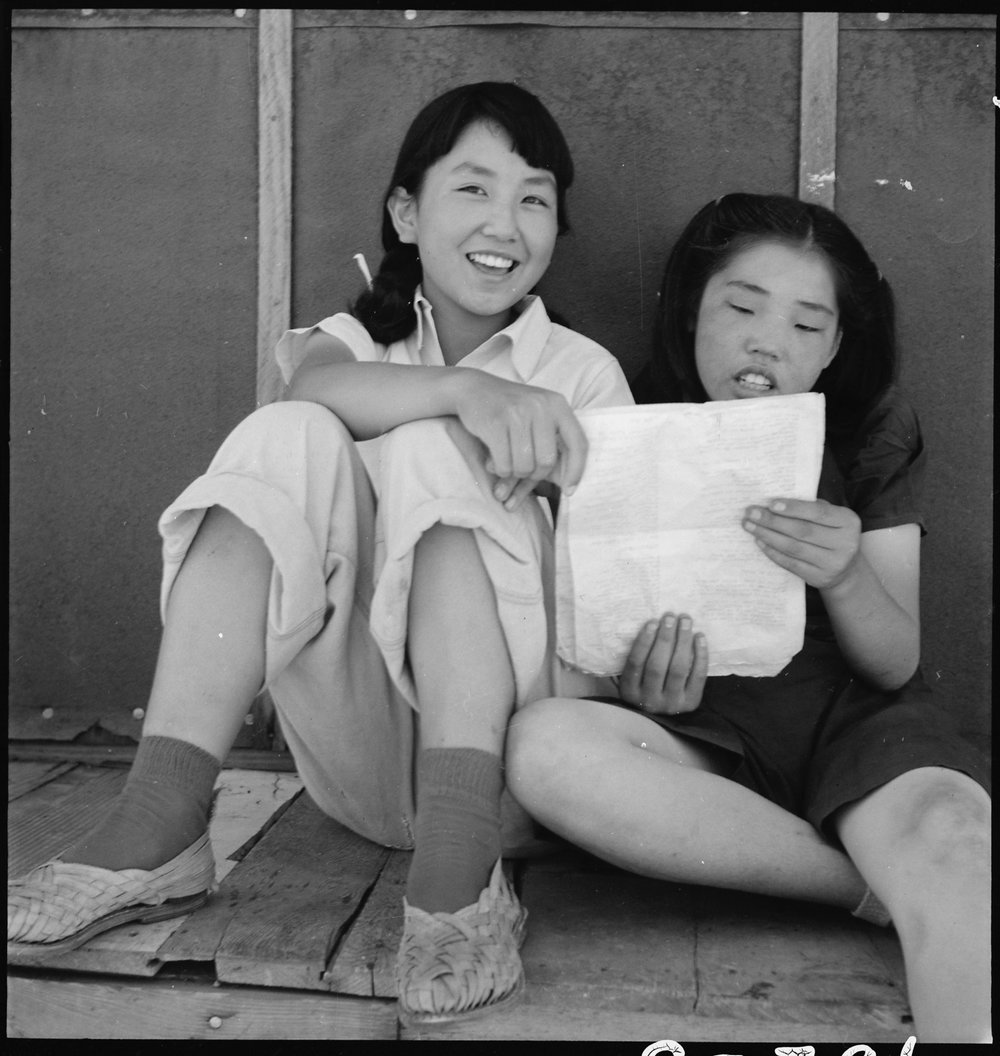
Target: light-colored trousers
(341, 521)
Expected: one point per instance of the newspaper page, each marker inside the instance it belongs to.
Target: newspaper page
(655, 525)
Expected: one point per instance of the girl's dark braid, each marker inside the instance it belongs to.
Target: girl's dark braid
(386, 310)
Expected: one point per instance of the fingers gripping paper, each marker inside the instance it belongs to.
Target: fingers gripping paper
(655, 526)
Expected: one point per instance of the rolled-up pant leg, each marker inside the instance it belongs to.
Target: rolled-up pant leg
(425, 480)
(292, 473)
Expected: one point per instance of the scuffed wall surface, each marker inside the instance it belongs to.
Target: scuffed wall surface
(132, 340)
(658, 121)
(915, 176)
(134, 259)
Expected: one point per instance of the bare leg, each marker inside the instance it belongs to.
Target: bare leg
(456, 646)
(922, 842)
(211, 659)
(451, 961)
(465, 686)
(623, 788)
(209, 668)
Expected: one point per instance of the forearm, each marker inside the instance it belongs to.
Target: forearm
(372, 398)
(879, 639)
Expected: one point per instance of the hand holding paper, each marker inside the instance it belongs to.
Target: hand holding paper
(656, 524)
(815, 540)
(666, 667)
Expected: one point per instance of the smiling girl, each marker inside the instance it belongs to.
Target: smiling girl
(840, 779)
(314, 557)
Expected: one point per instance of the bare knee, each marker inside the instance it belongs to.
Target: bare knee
(539, 748)
(947, 823)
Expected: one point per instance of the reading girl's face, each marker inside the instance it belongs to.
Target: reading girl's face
(768, 323)
(485, 224)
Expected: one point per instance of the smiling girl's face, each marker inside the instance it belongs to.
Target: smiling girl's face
(485, 224)
(768, 323)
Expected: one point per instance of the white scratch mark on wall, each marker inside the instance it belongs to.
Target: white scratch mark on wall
(906, 184)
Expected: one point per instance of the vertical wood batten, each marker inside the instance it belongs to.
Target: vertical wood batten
(818, 108)
(274, 208)
(274, 247)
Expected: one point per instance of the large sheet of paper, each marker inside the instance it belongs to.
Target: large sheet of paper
(655, 525)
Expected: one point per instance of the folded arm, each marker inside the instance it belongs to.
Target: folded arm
(529, 433)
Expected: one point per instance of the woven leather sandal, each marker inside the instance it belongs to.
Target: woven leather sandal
(460, 965)
(60, 905)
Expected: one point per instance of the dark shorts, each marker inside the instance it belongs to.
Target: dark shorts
(814, 738)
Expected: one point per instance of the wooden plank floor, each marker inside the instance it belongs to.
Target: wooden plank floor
(299, 943)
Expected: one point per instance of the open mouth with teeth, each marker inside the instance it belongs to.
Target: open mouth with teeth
(756, 382)
(492, 263)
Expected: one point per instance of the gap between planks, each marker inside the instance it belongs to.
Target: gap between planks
(607, 953)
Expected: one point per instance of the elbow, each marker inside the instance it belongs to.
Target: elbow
(898, 674)
(893, 680)
(898, 658)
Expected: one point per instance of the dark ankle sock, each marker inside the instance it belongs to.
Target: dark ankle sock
(163, 808)
(457, 827)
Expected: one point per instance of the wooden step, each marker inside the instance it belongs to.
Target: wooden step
(300, 942)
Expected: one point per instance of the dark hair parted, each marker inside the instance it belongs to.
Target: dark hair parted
(386, 310)
(865, 363)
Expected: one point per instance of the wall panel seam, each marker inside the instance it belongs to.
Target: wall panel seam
(274, 203)
(818, 108)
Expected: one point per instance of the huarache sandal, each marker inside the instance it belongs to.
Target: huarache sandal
(59, 906)
(464, 964)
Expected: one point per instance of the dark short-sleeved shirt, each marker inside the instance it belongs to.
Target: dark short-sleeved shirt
(878, 472)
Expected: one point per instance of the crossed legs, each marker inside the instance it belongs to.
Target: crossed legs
(625, 789)
(634, 794)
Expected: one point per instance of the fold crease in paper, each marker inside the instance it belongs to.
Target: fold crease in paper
(655, 525)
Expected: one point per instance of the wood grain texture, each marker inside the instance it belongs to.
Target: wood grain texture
(291, 899)
(39, 1007)
(531, 1020)
(818, 108)
(274, 247)
(53, 815)
(246, 801)
(771, 959)
(363, 964)
(395, 18)
(28, 776)
(604, 940)
(311, 907)
(274, 220)
(123, 754)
